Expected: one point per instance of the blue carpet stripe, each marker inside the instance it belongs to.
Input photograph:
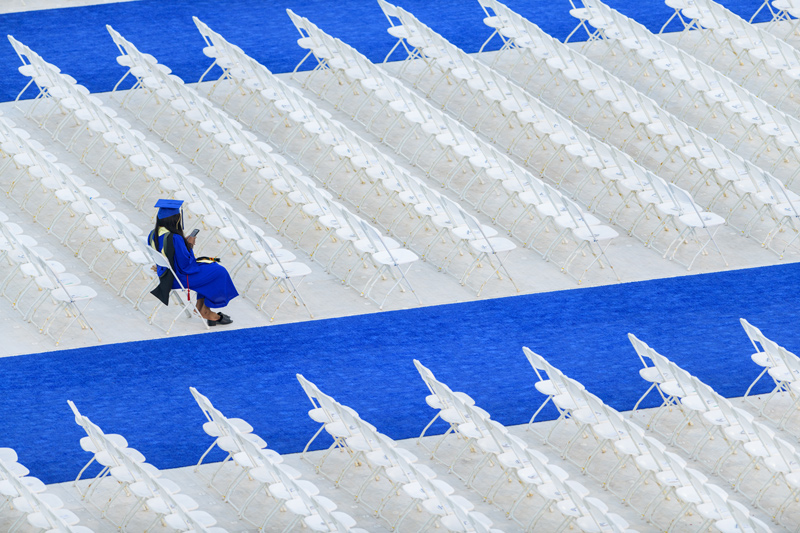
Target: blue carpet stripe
(76, 40)
(141, 389)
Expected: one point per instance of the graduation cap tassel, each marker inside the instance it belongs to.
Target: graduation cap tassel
(188, 294)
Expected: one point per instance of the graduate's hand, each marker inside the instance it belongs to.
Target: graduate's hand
(190, 241)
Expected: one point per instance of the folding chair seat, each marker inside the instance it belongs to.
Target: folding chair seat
(386, 260)
(322, 413)
(568, 400)
(290, 494)
(783, 367)
(115, 458)
(185, 308)
(562, 494)
(482, 245)
(309, 42)
(548, 387)
(286, 273)
(406, 35)
(45, 516)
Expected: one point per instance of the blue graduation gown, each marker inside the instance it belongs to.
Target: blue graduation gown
(210, 280)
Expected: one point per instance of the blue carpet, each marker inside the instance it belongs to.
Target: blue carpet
(75, 39)
(140, 389)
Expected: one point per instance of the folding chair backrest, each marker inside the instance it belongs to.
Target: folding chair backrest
(717, 496)
(699, 482)
(790, 360)
(577, 215)
(375, 239)
(706, 393)
(157, 257)
(779, 191)
(753, 333)
(536, 361)
(43, 268)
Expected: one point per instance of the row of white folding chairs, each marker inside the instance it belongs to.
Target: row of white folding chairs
(783, 367)
(281, 482)
(408, 478)
(704, 84)
(415, 110)
(787, 11)
(516, 460)
(596, 159)
(679, 389)
(292, 184)
(31, 265)
(715, 22)
(670, 472)
(702, 155)
(749, 43)
(457, 140)
(87, 208)
(716, 220)
(717, 91)
(101, 122)
(373, 165)
(752, 185)
(737, 428)
(544, 54)
(202, 116)
(127, 467)
(203, 203)
(28, 496)
(126, 240)
(491, 161)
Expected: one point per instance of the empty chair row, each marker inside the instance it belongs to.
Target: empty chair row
(704, 159)
(671, 474)
(517, 462)
(601, 160)
(28, 497)
(736, 113)
(126, 466)
(282, 483)
(693, 400)
(407, 478)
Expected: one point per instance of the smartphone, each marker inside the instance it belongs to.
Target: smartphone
(194, 232)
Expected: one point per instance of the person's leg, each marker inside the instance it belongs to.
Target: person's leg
(205, 312)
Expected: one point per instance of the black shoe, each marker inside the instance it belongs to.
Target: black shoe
(222, 320)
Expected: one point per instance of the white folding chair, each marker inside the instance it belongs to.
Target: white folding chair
(160, 260)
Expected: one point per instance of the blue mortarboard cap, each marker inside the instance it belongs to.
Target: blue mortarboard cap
(167, 208)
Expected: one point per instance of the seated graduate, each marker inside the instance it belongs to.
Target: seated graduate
(209, 280)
